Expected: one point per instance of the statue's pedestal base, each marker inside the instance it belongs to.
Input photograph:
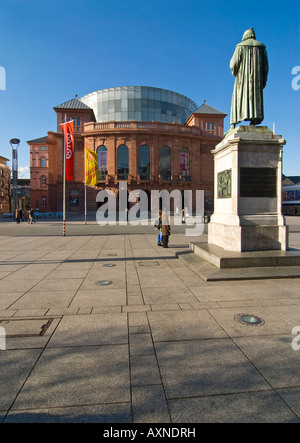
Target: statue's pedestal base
(213, 264)
(247, 203)
(254, 237)
(256, 259)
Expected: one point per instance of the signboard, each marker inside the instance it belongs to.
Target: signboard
(103, 161)
(258, 182)
(183, 161)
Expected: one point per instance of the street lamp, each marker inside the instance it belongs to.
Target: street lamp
(14, 143)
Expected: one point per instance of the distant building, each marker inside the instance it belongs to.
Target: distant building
(291, 195)
(152, 138)
(40, 171)
(24, 193)
(5, 186)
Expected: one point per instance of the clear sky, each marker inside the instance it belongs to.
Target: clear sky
(54, 49)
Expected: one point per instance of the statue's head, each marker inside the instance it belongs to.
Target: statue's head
(249, 34)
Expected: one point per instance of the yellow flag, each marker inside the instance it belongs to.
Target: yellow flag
(91, 167)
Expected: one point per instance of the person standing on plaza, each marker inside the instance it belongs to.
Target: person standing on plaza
(182, 216)
(158, 227)
(165, 230)
(31, 216)
(17, 215)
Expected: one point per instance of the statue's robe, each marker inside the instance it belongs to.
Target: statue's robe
(249, 65)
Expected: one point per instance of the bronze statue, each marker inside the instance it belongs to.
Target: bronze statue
(250, 67)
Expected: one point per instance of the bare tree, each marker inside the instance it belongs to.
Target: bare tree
(5, 189)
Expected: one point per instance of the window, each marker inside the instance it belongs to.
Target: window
(144, 162)
(74, 197)
(76, 121)
(74, 200)
(123, 162)
(165, 163)
(102, 162)
(44, 180)
(43, 162)
(210, 126)
(44, 202)
(43, 148)
(184, 164)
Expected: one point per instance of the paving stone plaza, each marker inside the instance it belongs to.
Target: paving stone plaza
(156, 344)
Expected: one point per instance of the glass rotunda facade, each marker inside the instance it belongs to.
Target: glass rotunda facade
(140, 103)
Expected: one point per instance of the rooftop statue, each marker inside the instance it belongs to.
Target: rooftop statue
(250, 67)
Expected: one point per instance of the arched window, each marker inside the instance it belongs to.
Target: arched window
(43, 180)
(144, 162)
(123, 162)
(43, 162)
(165, 163)
(184, 164)
(102, 162)
(44, 202)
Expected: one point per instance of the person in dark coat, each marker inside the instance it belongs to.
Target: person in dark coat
(17, 215)
(31, 216)
(166, 230)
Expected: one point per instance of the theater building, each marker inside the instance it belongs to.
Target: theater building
(148, 137)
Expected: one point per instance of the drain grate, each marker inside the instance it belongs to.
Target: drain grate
(109, 265)
(148, 263)
(26, 327)
(249, 319)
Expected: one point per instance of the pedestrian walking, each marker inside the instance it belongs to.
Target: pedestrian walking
(165, 230)
(31, 216)
(182, 216)
(158, 226)
(17, 215)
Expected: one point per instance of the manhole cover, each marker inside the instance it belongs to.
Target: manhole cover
(109, 265)
(26, 327)
(148, 263)
(104, 282)
(250, 319)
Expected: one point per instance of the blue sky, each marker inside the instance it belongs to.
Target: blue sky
(54, 49)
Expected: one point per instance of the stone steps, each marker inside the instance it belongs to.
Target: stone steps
(211, 273)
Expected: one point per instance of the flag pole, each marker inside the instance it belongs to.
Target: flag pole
(64, 181)
(85, 203)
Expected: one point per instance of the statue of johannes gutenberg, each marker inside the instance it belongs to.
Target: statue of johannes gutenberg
(250, 67)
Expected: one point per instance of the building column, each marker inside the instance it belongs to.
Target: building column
(133, 158)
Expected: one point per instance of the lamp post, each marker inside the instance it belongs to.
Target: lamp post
(14, 143)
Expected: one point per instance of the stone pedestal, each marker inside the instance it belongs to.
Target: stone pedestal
(247, 201)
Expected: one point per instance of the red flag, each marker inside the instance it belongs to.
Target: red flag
(68, 130)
